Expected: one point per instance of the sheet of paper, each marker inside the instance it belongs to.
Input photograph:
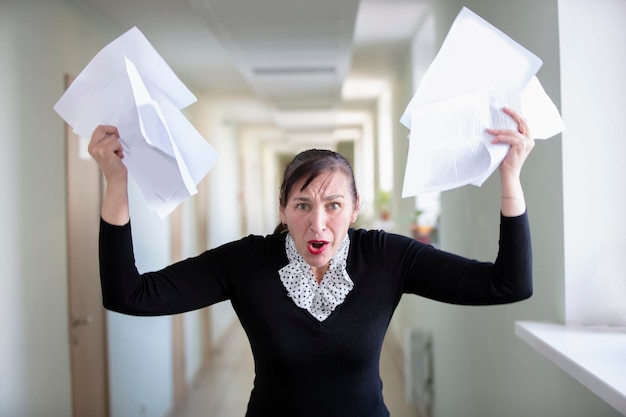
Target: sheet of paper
(109, 63)
(477, 71)
(128, 85)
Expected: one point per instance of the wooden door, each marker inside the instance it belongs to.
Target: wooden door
(87, 319)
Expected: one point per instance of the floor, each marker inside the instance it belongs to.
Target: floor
(223, 388)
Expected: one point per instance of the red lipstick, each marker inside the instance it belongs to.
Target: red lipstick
(317, 247)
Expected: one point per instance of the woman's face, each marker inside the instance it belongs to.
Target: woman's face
(318, 218)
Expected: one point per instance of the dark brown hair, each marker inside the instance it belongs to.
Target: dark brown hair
(309, 165)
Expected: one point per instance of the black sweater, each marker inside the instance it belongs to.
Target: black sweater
(305, 367)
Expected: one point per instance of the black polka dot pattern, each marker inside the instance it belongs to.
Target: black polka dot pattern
(318, 299)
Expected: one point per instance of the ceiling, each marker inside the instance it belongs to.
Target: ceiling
(292, 55)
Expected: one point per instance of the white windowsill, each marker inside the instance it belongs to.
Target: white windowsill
(595, 356)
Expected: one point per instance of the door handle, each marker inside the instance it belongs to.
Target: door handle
(77, 322)
(81, 321)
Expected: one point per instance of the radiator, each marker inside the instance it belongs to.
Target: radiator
(418, 372)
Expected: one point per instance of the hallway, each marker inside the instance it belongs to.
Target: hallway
(223, 388)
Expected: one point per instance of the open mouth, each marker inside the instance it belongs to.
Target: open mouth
(316, 247)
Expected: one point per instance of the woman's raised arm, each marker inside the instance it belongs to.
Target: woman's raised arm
(513, 203)
(105, 147)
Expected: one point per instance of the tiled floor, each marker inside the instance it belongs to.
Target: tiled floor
(223, 389)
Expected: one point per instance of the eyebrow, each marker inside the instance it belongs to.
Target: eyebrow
(333, 197)
(328, 198)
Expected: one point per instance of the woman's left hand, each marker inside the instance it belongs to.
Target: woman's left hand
(520, 141)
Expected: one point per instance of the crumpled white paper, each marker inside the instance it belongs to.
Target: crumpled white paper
(129, 85)
(477, 71)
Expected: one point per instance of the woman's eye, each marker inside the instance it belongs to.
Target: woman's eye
(302, 206)
(334, 206)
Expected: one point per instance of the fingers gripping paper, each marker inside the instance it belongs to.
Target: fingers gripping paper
(478, 71)
(129, 85)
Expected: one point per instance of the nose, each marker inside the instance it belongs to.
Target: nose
(318, 220)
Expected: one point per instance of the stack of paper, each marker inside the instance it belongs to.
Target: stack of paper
(477, 71)
(129, 85)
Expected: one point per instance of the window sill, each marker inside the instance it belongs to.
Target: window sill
(595, 356)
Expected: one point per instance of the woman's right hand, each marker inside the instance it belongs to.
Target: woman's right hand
(106, 149)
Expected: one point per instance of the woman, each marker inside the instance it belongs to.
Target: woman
(315, 301)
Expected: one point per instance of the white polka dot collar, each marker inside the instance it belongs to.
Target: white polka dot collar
(318, 299)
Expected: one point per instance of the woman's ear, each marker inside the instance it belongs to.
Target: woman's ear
(281, 211)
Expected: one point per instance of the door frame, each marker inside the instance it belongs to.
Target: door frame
(77, 317)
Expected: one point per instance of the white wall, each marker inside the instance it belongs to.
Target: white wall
(38, 45)
(480, 367)
(192, 321)
(224, 223)
(594, 173)
(260, 209)
(140, 348)
(13, 353)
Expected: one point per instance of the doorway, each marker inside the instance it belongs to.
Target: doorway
(87, 317)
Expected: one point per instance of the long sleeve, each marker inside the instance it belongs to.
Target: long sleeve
(454, 279)
(187, 285)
